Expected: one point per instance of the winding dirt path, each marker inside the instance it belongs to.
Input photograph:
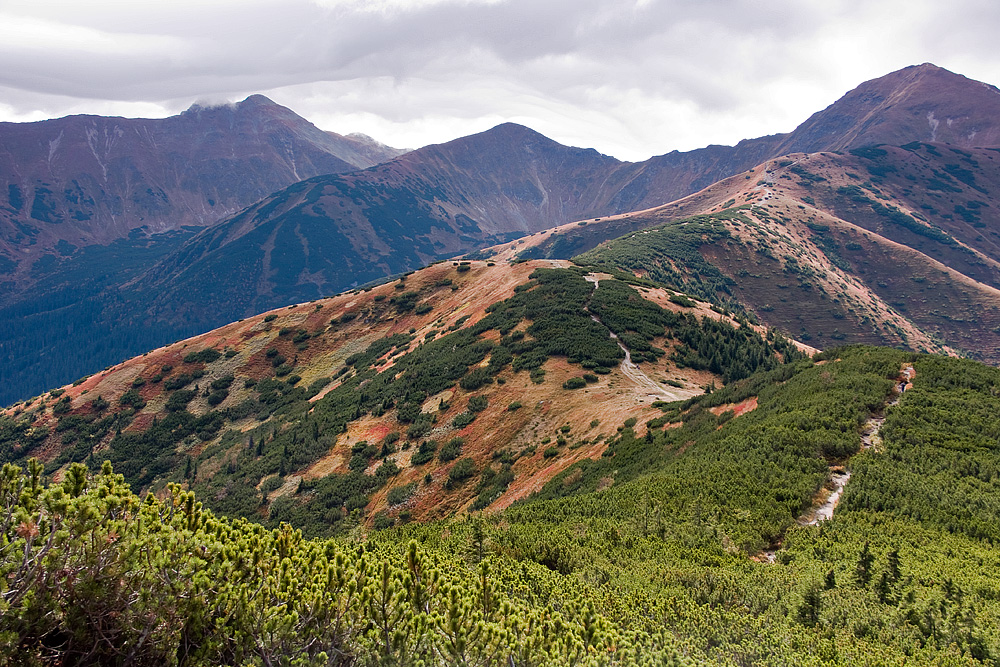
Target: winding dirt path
(870, 439)
(840, 475)
(632, 371)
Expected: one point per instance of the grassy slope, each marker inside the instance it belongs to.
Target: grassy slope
(313, 412)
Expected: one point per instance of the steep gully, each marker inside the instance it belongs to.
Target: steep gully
(839, 474)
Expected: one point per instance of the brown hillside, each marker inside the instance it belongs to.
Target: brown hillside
(886, 245)
(531, 425)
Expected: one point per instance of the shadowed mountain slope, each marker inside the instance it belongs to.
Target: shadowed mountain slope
(84, 180)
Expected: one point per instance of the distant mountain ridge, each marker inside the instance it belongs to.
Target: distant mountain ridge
(450, 198)
(329, 232)
(885, 245)
(321, 235)
(918, 103)
(83, 180)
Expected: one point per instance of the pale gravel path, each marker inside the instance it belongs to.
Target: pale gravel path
(632, 371)
(870, 439)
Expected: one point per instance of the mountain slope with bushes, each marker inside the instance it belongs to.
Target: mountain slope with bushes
(656, 552)
(882, 245)
(461, 385)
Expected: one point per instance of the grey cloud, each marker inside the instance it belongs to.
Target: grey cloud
(662, 73)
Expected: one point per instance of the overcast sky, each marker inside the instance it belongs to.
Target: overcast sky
(629, 78)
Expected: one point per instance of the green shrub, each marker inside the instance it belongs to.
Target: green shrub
(400, 494)
(206, 356)
(475, 379)
(682, 300)
(461, 471)
(179, 399)
(451, 450)
(424, 453)
(132, 399)
(271, 484)
(177, 382)
(217, 396)
(419, 428)
(574, 383)
(404, 302)
(463, 419)
(222, 383)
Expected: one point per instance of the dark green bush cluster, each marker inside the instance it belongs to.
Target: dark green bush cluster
(206, 356)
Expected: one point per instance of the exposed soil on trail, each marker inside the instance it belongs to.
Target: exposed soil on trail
(829, 496)
(870, 439)
(632, 371)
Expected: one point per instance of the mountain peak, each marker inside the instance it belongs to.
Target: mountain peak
(917, 103)
(252, 103)
(258, 100)
(509, 131)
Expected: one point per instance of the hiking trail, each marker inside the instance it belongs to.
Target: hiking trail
(840, 474)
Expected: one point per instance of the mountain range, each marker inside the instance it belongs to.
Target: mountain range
(86, 180)
(327, 233)
(442, 200)
(610, 441)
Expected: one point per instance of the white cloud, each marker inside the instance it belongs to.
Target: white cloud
(629, 77)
